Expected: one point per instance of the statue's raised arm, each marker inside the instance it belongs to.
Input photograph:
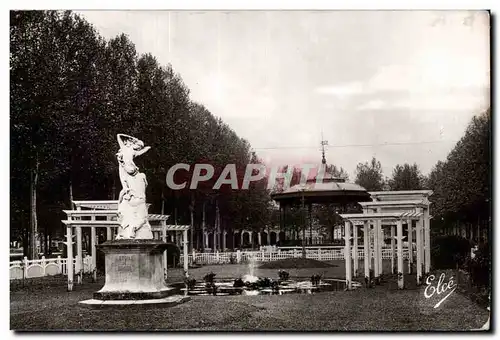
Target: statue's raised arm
(135, 145)
(123, 138)
(142, 151)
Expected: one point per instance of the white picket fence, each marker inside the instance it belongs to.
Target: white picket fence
(26, 269)
(47, 267)
(333, 253)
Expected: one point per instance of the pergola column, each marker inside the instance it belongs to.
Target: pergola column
(93, 241)
(69, 261)
(366, 244)
(241, 236)
(419, 250)
(268, 237)
(224, 235)
(347, 255)
(185, 251)
(380, 243)
(215, 241)
(79, 252)
(427, 237)
(376, 250)
(422, 243)
(355, 249)
(400, 254)
(164, 239)
(260, 238)
(250, 233)
(410, 246)
(393, 250)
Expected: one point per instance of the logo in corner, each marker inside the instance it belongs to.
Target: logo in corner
(441, 289)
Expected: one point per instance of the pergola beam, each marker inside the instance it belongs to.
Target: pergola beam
(382, 216)
(409, 204)
(385, 194)
(107, 211)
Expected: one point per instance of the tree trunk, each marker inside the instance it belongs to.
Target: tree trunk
(191, 211)
(217, 227)
(303, 232)
(70, 195)
(113, 189)
(203, 228)
(163, 211)
(33, 216)
(46, 245)
(162, 203)
(25, 231)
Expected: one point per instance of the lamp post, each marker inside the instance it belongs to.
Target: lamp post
(303, 225)
(310, 224)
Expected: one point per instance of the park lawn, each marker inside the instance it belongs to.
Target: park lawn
(47, 305)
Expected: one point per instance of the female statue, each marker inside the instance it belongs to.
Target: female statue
(132, 209)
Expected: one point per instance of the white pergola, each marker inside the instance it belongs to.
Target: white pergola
(104, 214)
(390, 209)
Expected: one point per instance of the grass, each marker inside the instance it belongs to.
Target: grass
(44, 304)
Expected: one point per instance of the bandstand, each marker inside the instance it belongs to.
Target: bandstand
(104, 214)
(327, 190)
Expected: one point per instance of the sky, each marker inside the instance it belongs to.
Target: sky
(397, 85)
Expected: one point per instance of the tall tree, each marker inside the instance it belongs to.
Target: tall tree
(462, 183)
(406, 177)
(369, 175)
(336, 171)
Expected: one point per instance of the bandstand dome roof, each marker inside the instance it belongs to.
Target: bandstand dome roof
(329, 190)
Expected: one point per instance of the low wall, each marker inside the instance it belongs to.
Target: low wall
(26, 269)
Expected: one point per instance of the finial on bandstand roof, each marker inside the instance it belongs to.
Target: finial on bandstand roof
(323, 144)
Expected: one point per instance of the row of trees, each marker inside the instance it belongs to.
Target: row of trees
(71, 92)
(404, 177)
(462, 183)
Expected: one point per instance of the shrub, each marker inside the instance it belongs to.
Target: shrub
(264, 282)
(283, 275)
(450, 251)
(190, 283)
(480, 266)
(209, 278)
(238, 283)
(316, 279)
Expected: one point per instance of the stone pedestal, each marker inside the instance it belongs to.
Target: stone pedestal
(134, 276)
(134, 270)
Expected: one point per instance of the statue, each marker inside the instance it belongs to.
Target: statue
(132, 208)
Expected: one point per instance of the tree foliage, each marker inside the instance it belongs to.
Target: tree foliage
(462, 183)
(369, 175)
(72, 91)
(406, 177)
